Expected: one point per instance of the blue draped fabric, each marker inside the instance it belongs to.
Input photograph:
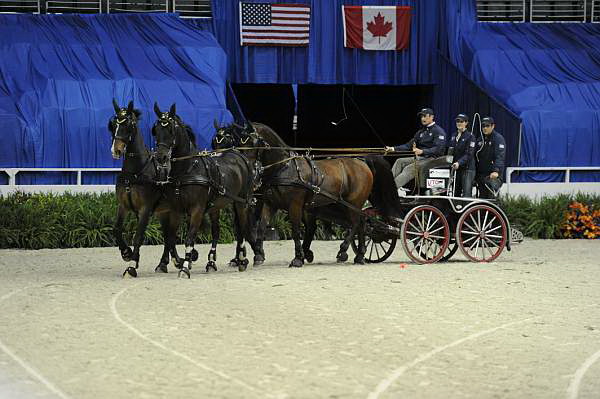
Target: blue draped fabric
(547, 74)
(59, 74)
(326, 60)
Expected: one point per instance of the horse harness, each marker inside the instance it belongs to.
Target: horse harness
(313, 183)
(214, 178)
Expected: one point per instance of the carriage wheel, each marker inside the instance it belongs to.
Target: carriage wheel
(379, 248)
(425, 234)
(450, 251)
(481, 233)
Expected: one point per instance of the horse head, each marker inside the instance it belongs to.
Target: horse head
(123, 128)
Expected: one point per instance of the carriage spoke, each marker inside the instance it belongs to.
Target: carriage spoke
(469, 239)
(474, 242)
(436, 230)
(474, 222)
(485, 221)
(429, 221)
(440, 237)
(414, 227)
(493, 236)
(371, 251)
(489, 249)
(474, 233)
(376, 250)
(471, 227)
(414, 233)
(435, 222)
(495, 228)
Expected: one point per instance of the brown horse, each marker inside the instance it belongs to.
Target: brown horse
(334, 189)
(137, 190)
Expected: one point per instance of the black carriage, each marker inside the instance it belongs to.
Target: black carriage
(436, 225)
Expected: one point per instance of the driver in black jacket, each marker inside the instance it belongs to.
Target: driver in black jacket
(490, 155)
(428, 144)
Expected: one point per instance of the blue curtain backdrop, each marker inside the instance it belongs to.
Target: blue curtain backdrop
(59, 74)
(547, 74)
(326, 60)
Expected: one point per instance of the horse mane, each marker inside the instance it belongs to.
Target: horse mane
(269, 135)
(188, 129)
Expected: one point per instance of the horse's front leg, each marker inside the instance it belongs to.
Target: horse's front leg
(164, 259)
(126, 252)
(295, 211)
(215, 230)
(310, 226)
(196, 216)
(144, 218)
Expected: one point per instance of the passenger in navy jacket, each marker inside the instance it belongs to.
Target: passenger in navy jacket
(462, 148)
(490, 156)
(428, 144)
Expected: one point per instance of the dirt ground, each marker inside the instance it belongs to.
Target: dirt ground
(525, 326)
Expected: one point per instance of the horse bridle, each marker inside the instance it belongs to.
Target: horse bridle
(166, 121)
(120, 119)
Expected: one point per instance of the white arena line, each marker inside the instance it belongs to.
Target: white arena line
(573, 390)
(22, 363)
(385, 384)
(113, 308)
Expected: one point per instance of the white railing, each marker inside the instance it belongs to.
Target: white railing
(10, 6)
(558, 11)
(551, 188)
(68, 7)
(12, 185)
(192, 8)
(501, 11)
(596, 11)
(115, 6)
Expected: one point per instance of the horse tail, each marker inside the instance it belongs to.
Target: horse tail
(383, 194)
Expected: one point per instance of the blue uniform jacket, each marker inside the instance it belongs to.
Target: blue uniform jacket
(490, 154)
(464, 150)
(432, 140)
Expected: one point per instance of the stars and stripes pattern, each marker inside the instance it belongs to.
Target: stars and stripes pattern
(274, 24)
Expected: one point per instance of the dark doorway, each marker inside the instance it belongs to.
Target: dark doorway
(271, 104)
(362, 116)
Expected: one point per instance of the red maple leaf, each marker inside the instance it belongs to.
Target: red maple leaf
(379, 28)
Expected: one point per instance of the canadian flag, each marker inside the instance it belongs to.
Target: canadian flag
(376, 27)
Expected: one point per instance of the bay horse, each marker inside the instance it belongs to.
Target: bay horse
(137, 190)
(200, 184)
(333, 189)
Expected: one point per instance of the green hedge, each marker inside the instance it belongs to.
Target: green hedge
(34, 221)
(86, 220)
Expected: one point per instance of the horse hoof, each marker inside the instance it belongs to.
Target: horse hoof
(127, 254)
(184, 272)
(243, 265)
(211, 266)
(359, 261)
(342, 257)
(258, 260)
(130, 272)
(194, 255)
(161, 268)
(234, 262)
(309, 256)
(296, 263)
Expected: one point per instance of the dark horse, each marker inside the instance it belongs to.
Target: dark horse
(136, 189)
(332, 189)
(203, 183)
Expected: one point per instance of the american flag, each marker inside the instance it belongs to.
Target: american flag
(274, 24)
